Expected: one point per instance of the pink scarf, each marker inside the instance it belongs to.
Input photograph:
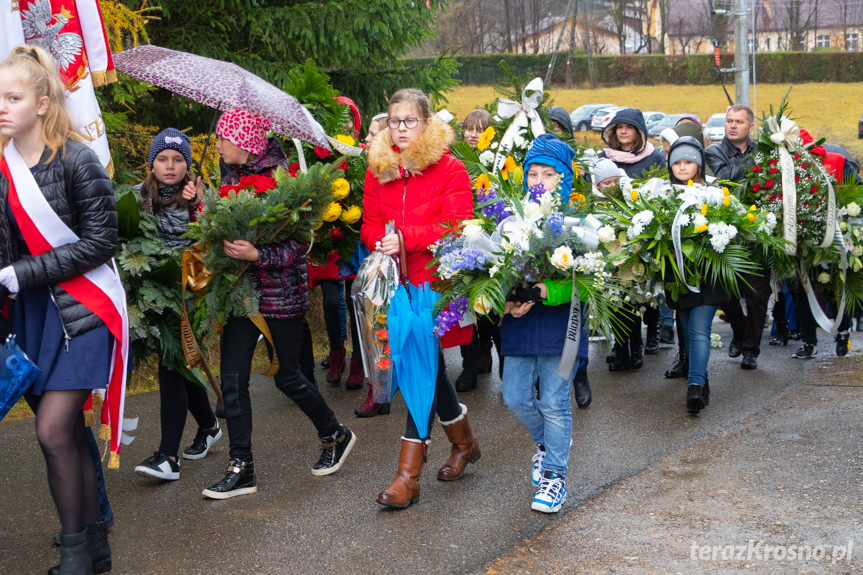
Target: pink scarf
(621, 157)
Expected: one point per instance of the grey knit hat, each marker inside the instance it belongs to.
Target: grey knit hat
(603, 169)
(685, 151)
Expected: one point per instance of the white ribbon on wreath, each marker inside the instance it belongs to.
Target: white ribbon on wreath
(786, 135)
(523, 114)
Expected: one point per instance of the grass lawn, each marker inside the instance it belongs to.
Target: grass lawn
(825, 110)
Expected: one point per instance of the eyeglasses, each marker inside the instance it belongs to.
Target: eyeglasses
(411, 122)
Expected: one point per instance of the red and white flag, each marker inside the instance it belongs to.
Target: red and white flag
(73, 32)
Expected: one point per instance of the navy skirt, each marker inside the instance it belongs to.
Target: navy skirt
(85, 365)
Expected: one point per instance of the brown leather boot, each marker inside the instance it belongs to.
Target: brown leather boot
(465, 448)
(405, 488)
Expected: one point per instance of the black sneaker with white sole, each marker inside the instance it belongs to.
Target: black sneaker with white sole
(334, 451)
(239, 479)
(805, 351)
(204, 440)
(159, 466)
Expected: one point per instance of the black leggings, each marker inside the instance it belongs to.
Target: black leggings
(238, 346)
(71, 474)
(176, 395)
(445, 403)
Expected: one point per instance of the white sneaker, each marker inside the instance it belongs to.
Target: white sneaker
(159, 466)
(551, 494)
(537, 459)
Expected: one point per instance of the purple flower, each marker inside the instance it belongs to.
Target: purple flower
(554, 221)
(450, 317)
(496, 210)
(535, 192)
(460, 259)
(447, 244)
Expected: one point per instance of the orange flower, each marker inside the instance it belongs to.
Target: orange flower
(383, 363)
(482, 183)
(382, 334)
(509, 166)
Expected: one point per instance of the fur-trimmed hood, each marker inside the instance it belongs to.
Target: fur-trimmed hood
(426, 151)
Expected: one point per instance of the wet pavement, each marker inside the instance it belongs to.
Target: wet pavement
(298, 523)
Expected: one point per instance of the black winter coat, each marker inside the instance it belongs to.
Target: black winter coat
(80, 192)
(727, 162)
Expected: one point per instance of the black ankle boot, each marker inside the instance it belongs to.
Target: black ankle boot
(781, 337)
(636, 358)
(582, 389)
(619, 359)
(680, 368)
(74, 555)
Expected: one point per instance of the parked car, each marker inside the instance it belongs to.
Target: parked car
(603, 117)
(860, 128)
(580, 117)
(650, 117)
(714, 129)
(668, 121)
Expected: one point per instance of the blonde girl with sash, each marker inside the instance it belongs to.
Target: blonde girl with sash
(58, 231)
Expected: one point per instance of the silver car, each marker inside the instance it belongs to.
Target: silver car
(714, 129)
(603, 117)
(580, 117)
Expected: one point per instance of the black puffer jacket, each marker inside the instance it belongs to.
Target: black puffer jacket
(80, 192)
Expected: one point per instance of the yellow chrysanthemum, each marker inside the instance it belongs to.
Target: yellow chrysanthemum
(485, 139)
(332, 212)
(351, 214)
(753, 208)
(345, 139)
(701, 228)
(576, 198)
(634, 195)
(482, 182)
(341, 188)
(703, 209)
(750, 216)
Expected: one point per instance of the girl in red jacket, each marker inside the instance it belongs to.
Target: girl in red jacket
(414, 181)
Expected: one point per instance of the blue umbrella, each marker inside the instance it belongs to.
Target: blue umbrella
(17, 373)
(414, 349)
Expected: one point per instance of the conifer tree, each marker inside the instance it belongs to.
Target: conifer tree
(358, 43)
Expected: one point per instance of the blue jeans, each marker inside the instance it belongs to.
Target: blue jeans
(549, 417)
(696, 324)
(666, 316)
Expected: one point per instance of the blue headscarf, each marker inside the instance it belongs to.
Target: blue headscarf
(552, 151)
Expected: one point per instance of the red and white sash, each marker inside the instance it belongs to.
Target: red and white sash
(99, 290)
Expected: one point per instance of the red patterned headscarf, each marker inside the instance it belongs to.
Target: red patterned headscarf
(245, 130)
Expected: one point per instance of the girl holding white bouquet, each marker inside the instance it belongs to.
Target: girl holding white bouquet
(695, 310)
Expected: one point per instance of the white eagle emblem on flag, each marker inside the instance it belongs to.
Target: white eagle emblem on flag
(38, 29)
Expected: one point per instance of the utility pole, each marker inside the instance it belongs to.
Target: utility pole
(741, 54)
(741, 51)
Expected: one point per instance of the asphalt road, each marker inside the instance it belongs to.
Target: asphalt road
(298, 523)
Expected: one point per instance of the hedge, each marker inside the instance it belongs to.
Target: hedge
(649, 69)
